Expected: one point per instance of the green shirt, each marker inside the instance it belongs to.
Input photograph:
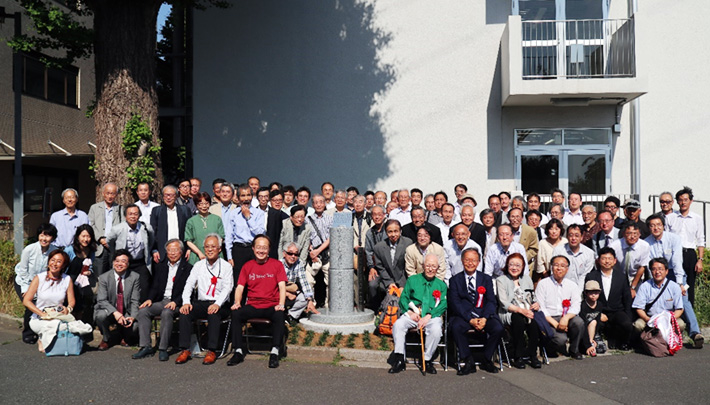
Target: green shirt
(198, 227)
(420, 291)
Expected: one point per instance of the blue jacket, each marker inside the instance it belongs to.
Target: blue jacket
(462, 304)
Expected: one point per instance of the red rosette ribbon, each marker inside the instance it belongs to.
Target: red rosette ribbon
(565, 306)
(481, 291)
(213, 285)
(437, 296)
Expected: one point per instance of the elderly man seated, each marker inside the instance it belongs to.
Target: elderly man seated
(560, 299)
(213, 278)
(658, 295)
(299, 294)
(474, 306)
(424, 300)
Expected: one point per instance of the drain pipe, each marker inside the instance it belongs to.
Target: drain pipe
(635, 127)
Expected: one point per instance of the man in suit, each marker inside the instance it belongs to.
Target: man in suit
(418, 215)
(102, 216)
(523, 234)
(473, 306)
(168, 222)
(361, 222)
(137, 238)
(117, 300)
(164, 299)
(477, 232)
(274, 221)
(615, 299)
(389, 257)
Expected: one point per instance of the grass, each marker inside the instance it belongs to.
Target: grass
(9, 302)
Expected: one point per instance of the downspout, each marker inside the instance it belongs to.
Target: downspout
(635, 125)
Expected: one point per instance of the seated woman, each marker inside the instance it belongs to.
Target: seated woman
(33, 262)
(81, 254)
(517, 309)
(53, 289)
(415, 253)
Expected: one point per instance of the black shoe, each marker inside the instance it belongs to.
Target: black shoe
(623, 347)
(163, 355)
(291, 321)
(698, 340)
(430, 367)
(143, 353)
(576, 356)
(273, 360)
(488, 365)
(468, 368)
(519, 364)
(399, 364)
(30, 339)
(236, 359)
(534, 362)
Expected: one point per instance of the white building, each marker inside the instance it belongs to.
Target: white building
(518, 95)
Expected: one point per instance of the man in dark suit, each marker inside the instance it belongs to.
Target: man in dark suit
(615, 298)
(389, 256)
(117, 300)
(274, 221)
(419, 221)
(164, 299)
(473, 305)
(478, 232)
(162, 222)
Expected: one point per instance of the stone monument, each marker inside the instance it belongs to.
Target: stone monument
(341, 315)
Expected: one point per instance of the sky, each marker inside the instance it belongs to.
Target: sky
(162, 15)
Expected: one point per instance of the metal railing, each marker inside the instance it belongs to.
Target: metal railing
(653, 197)
(597, 200)
(578, 49)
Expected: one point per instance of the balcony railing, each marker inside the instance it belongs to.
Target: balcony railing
(578, 49)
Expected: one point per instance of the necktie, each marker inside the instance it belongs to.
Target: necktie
(539, 234)
(119, 295)
(627, 261)
(607, 240)
(471, 287)
(393, 249)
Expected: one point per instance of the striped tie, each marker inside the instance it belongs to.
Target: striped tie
(471, 288)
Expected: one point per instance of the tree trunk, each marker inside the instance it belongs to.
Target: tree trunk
(124, 49)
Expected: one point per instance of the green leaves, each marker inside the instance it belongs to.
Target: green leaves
(140, 151)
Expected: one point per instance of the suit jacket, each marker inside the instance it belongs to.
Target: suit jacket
(462, 304)
(97, 220)
(410, 231)
(478, 235)
(274, 225)
(106, 293)
(619, 294)
(528, 238)
(391, 272)
(303, 241)
(160, 280)
(116, 239)
(159, 224)
(359, 235)
(414, 260)
(217, 209)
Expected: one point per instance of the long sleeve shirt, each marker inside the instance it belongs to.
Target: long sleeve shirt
(689, 228)
(201, 276)
(420, 291)
(242, 230)
(66, 225)
(297, 274)
(32, 262)
(496, 257)
(670, 248)
(580, 263)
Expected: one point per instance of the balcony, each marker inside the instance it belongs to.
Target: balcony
(569, 63)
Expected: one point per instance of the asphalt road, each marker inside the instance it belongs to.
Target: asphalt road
(26, 376)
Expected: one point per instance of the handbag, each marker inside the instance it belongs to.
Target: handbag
(65, 343)
(653, 342)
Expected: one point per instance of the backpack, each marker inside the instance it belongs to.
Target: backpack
(389, 312)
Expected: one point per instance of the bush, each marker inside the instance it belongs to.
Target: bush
(702, 293)
(9, 303)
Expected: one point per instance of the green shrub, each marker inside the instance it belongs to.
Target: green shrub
(366, 343)
(336, 340)
(9, 303)
(702, 293)
(322, 338)
(384, 343)
(308, 338)
(351, 340)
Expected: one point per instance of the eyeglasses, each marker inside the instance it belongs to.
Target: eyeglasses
(667, 202)
(291, 254)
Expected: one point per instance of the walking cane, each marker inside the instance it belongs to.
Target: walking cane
(421, 335)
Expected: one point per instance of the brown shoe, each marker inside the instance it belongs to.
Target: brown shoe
(123, 343)
(210, 358)
(103, 346)
(184, 356)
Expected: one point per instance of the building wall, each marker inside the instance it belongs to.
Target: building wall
(279, 102)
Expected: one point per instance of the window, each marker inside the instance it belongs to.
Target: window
(58, 85)
(572, 159)
(43, 191)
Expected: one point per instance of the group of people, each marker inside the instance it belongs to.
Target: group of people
(248, 251)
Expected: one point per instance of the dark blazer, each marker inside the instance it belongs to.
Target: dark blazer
(106, 293)
(384, 265)
(461, 304)
(159, 223)
(620, 294)
(478, 235)
(160, 280)
(410, 231)
(274, 224)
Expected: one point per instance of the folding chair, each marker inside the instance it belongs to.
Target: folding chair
(201, 322)
(253, 329)
(443, 345)
(479, 345)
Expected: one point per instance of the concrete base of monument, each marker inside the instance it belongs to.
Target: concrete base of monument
(355, 322)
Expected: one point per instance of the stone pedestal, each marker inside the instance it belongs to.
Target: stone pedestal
(341, 316)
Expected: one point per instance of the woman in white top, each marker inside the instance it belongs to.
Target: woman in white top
(555, 231)
(53, 289)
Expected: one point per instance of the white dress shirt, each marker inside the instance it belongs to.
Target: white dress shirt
(201, 276)
(403, 216)
(569, 218)
(146, 209)
(580, 263)
(496, 257)
(639, 256)
(453, 257)
(689, 228)
(550, 294)
(173, 227)
(172, 271)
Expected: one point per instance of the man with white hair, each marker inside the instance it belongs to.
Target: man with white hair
(68, 219)
(102, 217)
(403, 213)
